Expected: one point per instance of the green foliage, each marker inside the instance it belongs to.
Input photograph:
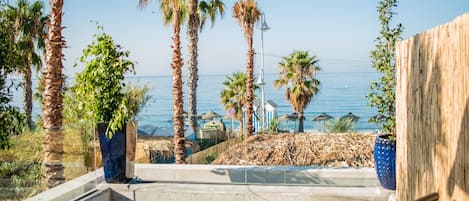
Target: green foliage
(21, 166)
(30, 26)
(298, 75)
(233, 95)
(274, 126)
(340, 125)
(209, 9)
(137, 97)
(210, 158)
(11, 119)
(383, 58)
(100, 85)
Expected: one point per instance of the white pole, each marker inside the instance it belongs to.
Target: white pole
(264, 27)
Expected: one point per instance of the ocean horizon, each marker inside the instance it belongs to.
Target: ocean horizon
(339, 94)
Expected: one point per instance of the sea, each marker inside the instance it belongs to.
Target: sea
(340, 93)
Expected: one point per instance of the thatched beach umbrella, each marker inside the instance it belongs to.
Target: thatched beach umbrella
(352, 117)
(289, 117)
(322, 117)
(210, 115)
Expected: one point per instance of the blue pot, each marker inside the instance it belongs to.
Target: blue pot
(113, 154)
(385, 161)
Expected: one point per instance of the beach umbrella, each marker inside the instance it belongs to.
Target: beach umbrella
(210, 115)
(293, 117)
(323, 117)
(352, 117)
(284, 117)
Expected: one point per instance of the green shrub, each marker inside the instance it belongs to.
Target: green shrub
(210, 158)
(340, 126)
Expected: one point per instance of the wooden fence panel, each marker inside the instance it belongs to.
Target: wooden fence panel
(432, 101)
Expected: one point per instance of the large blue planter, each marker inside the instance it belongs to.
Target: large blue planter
(116, 154)
(385, 161)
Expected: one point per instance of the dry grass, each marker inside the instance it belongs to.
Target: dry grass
(329, 150)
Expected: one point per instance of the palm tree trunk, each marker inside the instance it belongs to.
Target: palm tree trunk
(53, 147)
(301, 121)
(28, 95)
(192, 64)
(178, 118)
(250, 88)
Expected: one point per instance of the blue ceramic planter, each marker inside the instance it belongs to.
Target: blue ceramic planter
(113, 155)
(385, 161)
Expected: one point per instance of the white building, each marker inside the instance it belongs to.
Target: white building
(270, 113)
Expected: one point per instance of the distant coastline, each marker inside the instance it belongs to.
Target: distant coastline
(340, 93)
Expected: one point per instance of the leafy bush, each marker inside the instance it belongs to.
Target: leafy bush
(340, 126)
(383, 95)
(100, 85)
(11, 119)
(210, 158)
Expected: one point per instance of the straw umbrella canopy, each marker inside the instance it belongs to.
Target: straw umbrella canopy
(352, 117)
(289, 117)
(322, 117)
(285, 117)
(210, 115)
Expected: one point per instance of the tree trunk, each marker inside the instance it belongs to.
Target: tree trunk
(249, 88)
(178, 118)
(53, 147)
(28, 95)
(192, 64)
(300, 122)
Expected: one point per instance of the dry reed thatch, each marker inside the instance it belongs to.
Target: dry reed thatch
(329, 150)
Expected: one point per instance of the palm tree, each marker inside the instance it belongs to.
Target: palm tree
(30, 31)
(52, 105)
(298, 75)
(174, 12)
(198, 13)
(233, 95)
(247, 14)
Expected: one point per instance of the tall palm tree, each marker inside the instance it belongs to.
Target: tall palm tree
(298, 75)
(30, 28)
(52, 104)
(174, 12)
(247, 14)
(198, 14)
(233, 95)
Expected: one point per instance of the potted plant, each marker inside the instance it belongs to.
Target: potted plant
(109, 105)
(383, 95)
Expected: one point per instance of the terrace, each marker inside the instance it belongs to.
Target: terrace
(222, 182)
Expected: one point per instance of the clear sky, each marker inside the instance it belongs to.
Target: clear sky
(340, 32)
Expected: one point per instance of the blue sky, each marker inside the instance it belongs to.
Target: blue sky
(340, 32)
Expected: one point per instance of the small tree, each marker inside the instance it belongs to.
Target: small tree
(101, 83)
(383, 58)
